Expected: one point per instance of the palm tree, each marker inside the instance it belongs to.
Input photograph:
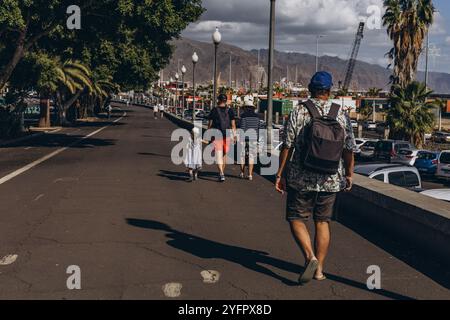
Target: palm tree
(410, 116)
(73, 78)
(342, 93)
(407, 22)
(374, 92)
(101, 91)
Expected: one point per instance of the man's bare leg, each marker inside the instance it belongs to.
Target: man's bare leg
(224, 163)
(219, 158)
(303, 239)
(322, 243)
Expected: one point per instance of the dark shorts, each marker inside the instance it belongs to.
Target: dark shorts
(301, 205)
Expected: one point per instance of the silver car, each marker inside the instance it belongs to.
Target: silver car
(407, 157)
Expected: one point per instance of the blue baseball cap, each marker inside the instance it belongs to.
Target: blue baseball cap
(321, 81)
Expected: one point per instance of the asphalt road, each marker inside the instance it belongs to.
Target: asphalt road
(114, 205)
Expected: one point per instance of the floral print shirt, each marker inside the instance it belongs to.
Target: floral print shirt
(300, 178)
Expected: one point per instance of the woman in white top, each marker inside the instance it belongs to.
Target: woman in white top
(193, 160)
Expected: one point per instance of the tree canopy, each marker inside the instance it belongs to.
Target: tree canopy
(127, 41)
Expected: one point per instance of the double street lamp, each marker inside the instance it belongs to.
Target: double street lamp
(217, 38)
(194, 62)
(177, 76)
(183, 71)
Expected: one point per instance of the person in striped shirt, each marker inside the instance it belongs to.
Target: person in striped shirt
(250, 125)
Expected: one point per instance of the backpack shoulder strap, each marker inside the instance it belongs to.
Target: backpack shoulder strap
(312, 109)
(334, 111)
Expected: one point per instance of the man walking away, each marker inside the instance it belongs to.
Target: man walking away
(223, 119)
(161, 111)
(156, 110)
(109, 110)
(318, 146)
(250, 125)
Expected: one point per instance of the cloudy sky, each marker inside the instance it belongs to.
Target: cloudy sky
(245, 23)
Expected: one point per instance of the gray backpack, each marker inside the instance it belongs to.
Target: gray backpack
(324, 140)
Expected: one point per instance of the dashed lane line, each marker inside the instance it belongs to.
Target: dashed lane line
(18, 172)
(210, 276)
(172, 290)
(9, 259)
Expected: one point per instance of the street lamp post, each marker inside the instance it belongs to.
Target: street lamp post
(270, 76)
(183, 71)
(317, 52)
(173, 96)
(177, 76)
(194, 62)
(217, 38)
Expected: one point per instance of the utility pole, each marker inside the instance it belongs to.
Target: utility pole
(426, 58)
(317, 54)
(296, 74)
(270, 76)
(259, 57)
(231, 81)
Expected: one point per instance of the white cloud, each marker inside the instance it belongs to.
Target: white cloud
(245, 23)
(438, 27)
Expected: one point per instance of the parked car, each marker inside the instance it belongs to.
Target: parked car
(354, 124)
(367, 150)
(370, 125)
(360, 142)
(443, 167)
(199, 114)
(441, 137)
(427, 162)
(388, 149)
(439, 194)
(406, 156)
(381, 127)
(395, 174)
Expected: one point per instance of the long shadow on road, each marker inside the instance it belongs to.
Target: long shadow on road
(247, 258)
(62, 140)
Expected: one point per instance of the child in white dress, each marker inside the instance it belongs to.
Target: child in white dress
(194, 160)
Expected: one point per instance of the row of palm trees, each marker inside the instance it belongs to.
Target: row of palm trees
(72, 83)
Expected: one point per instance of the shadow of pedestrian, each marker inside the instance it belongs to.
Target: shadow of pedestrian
(174, 176)
(247, 258)
(152, 154)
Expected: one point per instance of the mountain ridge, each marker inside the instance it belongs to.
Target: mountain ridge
(365, 76)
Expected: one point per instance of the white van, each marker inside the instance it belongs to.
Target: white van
(443, 169)
(396, 174)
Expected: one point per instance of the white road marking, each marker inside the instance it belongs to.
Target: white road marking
(66, 180)
(18, 172)
(38, 197)
(9, 259)
(210, 276)
(172, 290)
(28, 148)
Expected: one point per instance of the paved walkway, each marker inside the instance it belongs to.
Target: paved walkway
(116, 206)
